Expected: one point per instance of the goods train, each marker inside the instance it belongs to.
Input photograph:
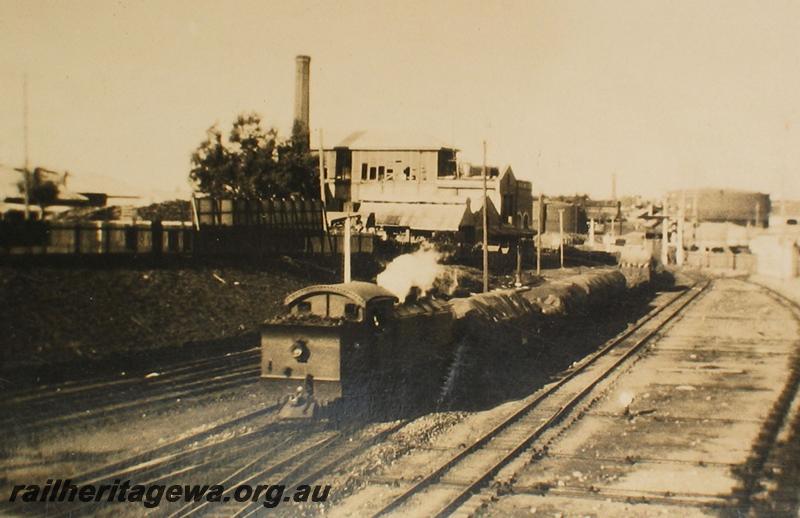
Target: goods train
(356, 341)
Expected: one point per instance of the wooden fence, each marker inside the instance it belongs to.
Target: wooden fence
(304, 216)
(222, 228)
(97, 237)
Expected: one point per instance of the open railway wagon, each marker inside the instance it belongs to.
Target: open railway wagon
(354, 343)
(505, 336)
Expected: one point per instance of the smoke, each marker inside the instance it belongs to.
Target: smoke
(416, 270)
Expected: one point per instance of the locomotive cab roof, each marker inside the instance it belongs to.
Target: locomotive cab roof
(363, 293)
(348, 301)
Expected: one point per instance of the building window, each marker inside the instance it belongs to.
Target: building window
(407, 173)
(390, 174)
(364, 171)
(507, 210)
(373, 173)
(381, 172)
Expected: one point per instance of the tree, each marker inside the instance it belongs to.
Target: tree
(253, 163)
(42, 189)
(298, 168)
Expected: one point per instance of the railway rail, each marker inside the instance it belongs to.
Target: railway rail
(67, 404)
(768, 487)
(717, 434)
(454, 481)
(301, 464)
(47, 391)
(184, 455)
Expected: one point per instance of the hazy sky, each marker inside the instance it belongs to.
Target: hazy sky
(664, 94)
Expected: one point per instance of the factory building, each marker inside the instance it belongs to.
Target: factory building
(403, 179)
(570, 212)
(576, 212)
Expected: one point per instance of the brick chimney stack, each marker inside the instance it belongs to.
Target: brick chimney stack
(301, 95)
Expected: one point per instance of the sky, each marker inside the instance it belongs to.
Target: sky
(662, 94)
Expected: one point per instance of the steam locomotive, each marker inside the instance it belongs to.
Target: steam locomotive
(356, 342)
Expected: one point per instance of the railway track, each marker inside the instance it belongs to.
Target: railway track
(299, 464)
(185, 455)
(458, 478)
(770, 486)
(44, 392)
(66, 405)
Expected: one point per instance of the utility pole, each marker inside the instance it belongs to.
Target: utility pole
(664, 233)
(322, 189)
(25, 130)
(539, 230)
(346, 247)
(681, 217)
(591, 232)
(561, 234)
(518, 278)
(321, 169)
(485, 226)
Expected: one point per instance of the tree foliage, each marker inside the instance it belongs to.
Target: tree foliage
(254, 163)
(43, 189)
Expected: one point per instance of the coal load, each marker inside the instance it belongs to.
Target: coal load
(505, 336)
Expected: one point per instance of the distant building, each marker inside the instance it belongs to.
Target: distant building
(577, 212)
(721, 205)
(395, 174)
(73, 191)
(784, 213)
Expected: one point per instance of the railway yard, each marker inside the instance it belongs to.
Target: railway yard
(686, 406)
(583, 301)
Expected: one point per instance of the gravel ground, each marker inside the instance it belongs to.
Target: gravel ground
(679, 433)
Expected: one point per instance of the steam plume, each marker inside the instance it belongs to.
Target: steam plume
(416, 270)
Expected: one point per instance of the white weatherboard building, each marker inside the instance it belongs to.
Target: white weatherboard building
(415, 181)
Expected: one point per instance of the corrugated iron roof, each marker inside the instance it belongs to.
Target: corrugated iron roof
(436, 217)
(392, 140)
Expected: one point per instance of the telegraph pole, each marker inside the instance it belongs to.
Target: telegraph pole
(561, 234)
(322, 186)
(25, 130)
(665, 233)
(485, 226)
(346, 248)
(679, 257)
(539, 230)
(321, 169)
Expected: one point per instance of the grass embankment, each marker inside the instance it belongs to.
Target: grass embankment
(66, 316)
